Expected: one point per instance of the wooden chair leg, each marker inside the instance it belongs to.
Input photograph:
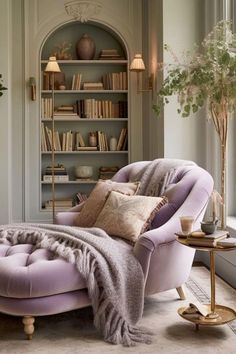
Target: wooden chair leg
(28, 322)
(181, 293)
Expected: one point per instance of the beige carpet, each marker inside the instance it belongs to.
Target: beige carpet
(73, 333)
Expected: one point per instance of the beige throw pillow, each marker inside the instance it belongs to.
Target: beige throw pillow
(128, 216)
(95, 202)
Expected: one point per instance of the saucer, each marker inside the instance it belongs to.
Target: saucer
(181, 234)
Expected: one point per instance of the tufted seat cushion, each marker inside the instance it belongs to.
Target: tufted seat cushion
(29, 273)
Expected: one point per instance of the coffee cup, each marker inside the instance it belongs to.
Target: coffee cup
(186, 223)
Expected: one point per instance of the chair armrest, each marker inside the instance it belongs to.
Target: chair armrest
(163, 234)
(77, 207)
(68, 217)
(150, 240)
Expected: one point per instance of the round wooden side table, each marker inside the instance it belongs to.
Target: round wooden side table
(216, 314)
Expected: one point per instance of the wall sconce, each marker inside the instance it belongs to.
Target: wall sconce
(137, 65)
(32, 84)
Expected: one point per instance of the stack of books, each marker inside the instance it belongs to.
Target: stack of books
(110, 54)
(208, 240)
(64, 110)
(59, 204)
(107, 172)
(93, 86)
(60, 174)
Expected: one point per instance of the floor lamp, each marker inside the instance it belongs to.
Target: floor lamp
(52, 68)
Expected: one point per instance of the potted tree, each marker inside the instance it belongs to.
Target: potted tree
(207, 78)
(2, 88)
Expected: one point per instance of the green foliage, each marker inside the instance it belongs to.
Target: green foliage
(208, 76)
(2, 88)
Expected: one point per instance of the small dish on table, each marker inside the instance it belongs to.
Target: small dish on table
(181, 234)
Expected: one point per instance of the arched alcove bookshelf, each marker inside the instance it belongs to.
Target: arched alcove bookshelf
(90, 96)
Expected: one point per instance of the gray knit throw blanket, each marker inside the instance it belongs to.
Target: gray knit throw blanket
(113, 275)
(158, 175)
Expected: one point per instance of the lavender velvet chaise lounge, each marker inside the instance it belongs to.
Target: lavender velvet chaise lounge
(33, 283)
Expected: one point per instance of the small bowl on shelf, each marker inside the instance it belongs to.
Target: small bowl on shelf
(84, 172)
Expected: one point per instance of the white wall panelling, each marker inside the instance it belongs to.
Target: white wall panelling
(5, 111)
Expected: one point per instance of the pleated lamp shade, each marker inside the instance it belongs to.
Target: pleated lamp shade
(137, 63)
(52, 66)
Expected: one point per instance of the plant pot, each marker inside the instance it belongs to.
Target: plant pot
(85, 48)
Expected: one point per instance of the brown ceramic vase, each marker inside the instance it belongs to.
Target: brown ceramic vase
(85, 48)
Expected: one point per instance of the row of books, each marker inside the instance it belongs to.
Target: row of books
(123, 140)
(66, 141)
(59, 204)
(109, 81)
(87, 108)
(115, 81)
(91, 108)
(76, 82)
(73, 141)
(46, 107)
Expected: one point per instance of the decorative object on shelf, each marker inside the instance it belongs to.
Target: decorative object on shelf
(82, 10)
(110, 54)
(2, 88)
(216, 201)
(32, 84)
(93, 141)
(52, 68)
(137, 65)
(107, 172)
(63, 51)
(59, 79)
(85, 48)
(62, 87)
(112, 143)
(60, 174)
(84, 172)
(208, 77)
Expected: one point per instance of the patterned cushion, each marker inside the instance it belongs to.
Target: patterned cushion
(128, 216)
(95, 202)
